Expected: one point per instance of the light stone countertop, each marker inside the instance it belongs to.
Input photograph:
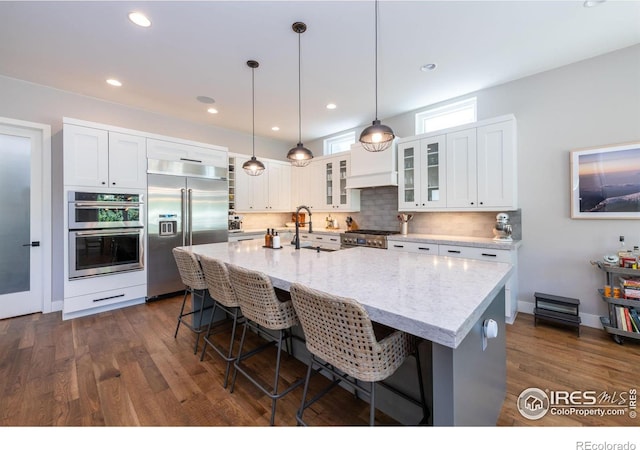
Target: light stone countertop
(434, 297)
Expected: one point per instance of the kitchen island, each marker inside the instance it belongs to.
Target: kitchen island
(442, 300)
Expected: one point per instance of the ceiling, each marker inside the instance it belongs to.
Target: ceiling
(200, 49)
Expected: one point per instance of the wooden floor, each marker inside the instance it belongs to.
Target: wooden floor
(124, 368)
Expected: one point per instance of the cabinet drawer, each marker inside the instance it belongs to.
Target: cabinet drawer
(325, 239)
(176, 151)
(485, 254)
(104, 298)
(413, 247)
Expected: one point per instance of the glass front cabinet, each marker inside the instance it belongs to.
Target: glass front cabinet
(421, 167)
(336, 196)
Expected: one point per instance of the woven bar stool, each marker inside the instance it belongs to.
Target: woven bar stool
(261, 308)
(341, 340)
(194, 282)
(216, 277)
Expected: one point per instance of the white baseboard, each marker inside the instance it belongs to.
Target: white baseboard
(56, 305)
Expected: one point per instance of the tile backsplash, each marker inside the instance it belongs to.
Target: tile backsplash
(379, 210)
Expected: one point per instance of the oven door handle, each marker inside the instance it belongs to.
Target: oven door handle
(107, 232)
(183, 215)
(96, 205)
(190, 217)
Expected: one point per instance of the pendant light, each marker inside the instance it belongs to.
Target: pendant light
(299, 155)
(376, 137)
(253, 167)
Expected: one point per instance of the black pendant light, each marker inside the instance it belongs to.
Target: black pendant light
(253, 167)
(376, 137)
(299, 155)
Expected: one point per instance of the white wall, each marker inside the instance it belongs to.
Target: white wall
(36, 103)
(595, 102)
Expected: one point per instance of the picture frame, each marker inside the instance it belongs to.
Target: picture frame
(605, 182)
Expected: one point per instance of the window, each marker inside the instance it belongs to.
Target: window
(340, 143)
(447, 116)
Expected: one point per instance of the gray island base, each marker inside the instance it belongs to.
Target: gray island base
(443, 301)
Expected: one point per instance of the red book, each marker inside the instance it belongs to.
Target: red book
(627, 317)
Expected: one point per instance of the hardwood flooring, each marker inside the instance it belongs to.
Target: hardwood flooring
(124, 368)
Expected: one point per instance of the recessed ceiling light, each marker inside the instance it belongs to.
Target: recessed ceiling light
(275, 128)
(331, 106)
(114, 82)
(212, 111)
(205, 99)
(428, 67)
(593, 3)
(139, 19)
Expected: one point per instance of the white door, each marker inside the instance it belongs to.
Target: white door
(21, 234)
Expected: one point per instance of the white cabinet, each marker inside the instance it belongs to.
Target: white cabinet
(412, 247)
(466, 168)
(330, 241)
(422, 180)
(306, 186)
(179, 151)
(336, 196)
(481, 167)
(269, 192)
(496, 163)
(101, 158)
(495, 255)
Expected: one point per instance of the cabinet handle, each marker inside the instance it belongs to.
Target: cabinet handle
(104, 182)
(398, 246)
(113, 183)
(334, 239)
(454, 251)
(191, 160)
(424, 248)
(482, 203)
(107, 298)
(318, 238)
(472, 203)
(490, 254)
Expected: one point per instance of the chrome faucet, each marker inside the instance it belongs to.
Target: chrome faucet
(296, 238)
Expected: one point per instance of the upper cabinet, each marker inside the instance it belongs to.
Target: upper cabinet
(421, 164)
(101, 158)
(307, 186)
(467, 168)
(269, 192)
(179, 151)
(322, 185)
(336, 196)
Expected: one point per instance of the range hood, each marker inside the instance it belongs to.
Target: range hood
(373, 169)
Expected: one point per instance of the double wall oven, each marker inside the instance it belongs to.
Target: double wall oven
(106, 233)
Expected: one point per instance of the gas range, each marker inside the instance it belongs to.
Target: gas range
(365, 238)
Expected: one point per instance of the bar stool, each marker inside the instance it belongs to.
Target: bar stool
(216, 277)
(194, 282)
(340, 338)
(262, 309)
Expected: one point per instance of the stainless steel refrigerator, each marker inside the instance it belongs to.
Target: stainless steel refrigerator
(187, 204)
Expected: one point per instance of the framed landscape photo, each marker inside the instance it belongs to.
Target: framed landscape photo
(605, 182)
